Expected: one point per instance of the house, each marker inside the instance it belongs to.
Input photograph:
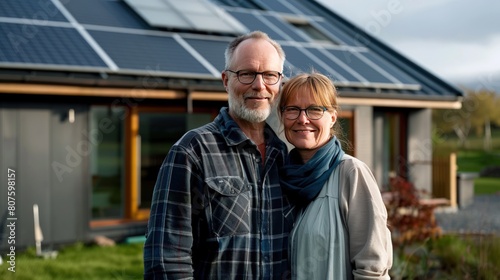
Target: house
(93, 93)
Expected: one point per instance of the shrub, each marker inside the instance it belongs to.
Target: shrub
(410, 220)
(490, 171)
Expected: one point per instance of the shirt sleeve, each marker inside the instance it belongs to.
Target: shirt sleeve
(169, 238)
(370, 243)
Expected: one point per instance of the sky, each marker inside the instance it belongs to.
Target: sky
(456, 40)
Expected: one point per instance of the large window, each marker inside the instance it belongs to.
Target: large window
(157, 133)
(106, 131)
(130, 145)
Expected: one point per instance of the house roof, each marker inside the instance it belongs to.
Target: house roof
(110, 43)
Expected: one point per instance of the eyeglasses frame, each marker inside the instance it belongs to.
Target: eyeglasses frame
(255, 76)
(305, 111)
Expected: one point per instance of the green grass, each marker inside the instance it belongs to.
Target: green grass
(78, 261)
(476, 160)
(486, 186)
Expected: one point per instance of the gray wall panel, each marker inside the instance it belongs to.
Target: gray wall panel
(420, 149)
(8, 145)
(33, 173)
(34, 137)
(69, 152)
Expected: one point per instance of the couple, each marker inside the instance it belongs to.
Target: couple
(219, 209)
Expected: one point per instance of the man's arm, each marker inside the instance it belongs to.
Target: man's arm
(167, 251)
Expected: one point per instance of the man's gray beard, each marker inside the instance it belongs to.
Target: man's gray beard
(253, 116)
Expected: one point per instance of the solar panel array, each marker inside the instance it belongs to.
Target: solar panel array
(111, 36)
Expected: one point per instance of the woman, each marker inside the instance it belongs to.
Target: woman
(341, 231)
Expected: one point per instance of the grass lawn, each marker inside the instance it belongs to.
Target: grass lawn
(486, 186)
(79, 262)
(475, 161)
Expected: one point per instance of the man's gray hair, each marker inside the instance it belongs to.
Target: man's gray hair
(252, 35)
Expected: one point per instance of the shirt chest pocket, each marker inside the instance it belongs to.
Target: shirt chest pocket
(229, 206)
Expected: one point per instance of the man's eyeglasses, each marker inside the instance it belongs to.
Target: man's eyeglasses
(312, 112)
(247, 77)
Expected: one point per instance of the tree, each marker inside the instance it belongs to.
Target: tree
(486, 113)
(454, 120)
(479, 110)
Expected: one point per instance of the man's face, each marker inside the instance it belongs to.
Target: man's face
(252, 102)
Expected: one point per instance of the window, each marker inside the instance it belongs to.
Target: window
(157, 133)
(130, 146)
(152, 133)
(390, 145)
(107, 162)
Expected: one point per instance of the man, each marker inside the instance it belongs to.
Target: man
(217, 210)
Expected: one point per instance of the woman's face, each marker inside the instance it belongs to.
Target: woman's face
(305, 134)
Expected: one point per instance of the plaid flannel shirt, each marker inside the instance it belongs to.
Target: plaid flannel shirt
(217, 211)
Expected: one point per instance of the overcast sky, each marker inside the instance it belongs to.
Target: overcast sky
(457, 40)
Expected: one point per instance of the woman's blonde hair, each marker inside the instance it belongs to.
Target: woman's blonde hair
(321, 88)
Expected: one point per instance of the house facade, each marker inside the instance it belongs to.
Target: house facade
(93, 94)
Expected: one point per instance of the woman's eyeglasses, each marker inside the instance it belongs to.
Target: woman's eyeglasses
(312, 112)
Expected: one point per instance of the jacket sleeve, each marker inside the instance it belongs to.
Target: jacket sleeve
(169, 237)
(370, 243)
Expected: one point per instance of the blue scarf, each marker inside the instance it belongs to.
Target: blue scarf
(303, 182)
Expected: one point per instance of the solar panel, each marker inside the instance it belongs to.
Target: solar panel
(337, 34)
(196, 51)
(354, 62)
(306, 62)
(45, 45)
(238, 3)
(298, 6)
(390, 68)
(345, 73)
(194, 15)
(148, 52)
(37, 10)
(105, 13)
(286, 6)
(252, 22)
(211, 50)
(277, 6)
(287, 29)
(281, 30)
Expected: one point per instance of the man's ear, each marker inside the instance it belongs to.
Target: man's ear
(224, 77)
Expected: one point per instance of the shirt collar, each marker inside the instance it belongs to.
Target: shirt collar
(233, 133)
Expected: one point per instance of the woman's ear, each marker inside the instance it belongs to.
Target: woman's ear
(334, 117)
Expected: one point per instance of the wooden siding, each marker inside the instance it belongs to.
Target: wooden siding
(444, 178)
